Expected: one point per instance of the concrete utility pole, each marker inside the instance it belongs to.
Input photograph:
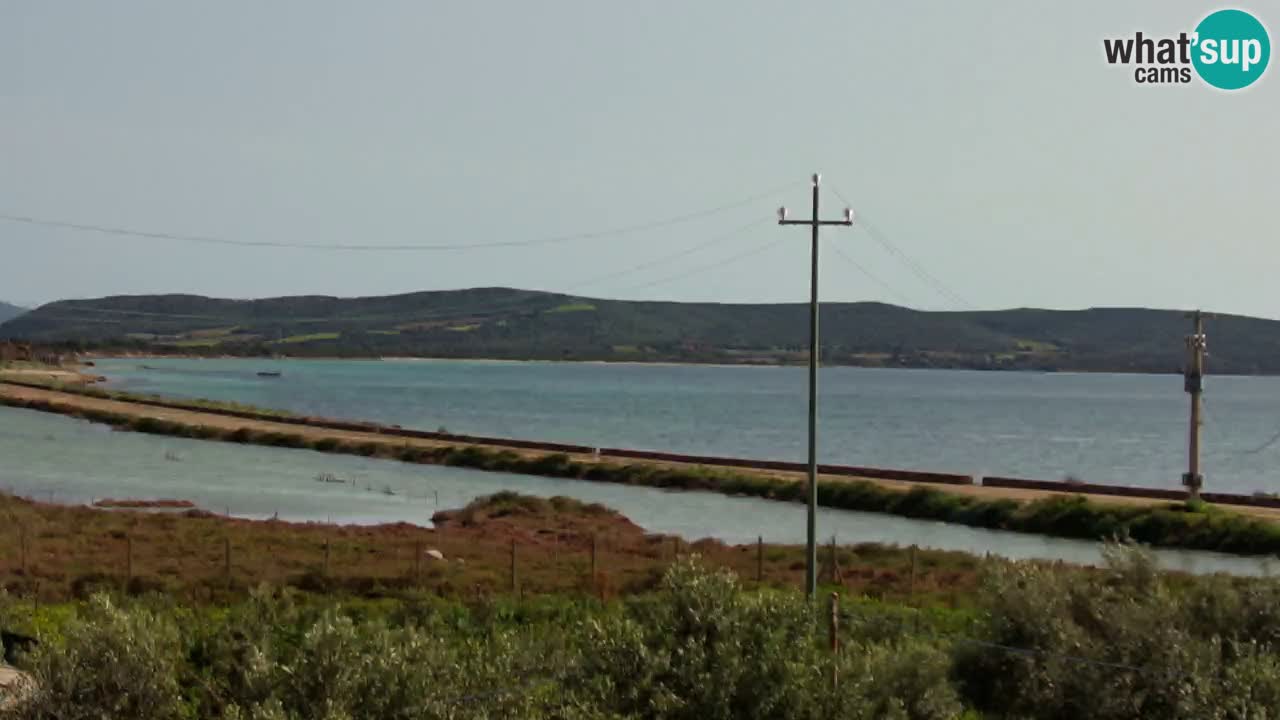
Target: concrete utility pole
(811, 559)
(1194, 384)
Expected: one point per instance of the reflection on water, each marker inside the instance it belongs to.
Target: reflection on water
(50, 457)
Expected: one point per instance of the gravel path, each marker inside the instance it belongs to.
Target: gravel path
(196, 418)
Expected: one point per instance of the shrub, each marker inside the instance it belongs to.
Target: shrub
(1128, 642)
(109, 663)
(703, 648)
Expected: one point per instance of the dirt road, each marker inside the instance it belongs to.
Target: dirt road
(196, 418)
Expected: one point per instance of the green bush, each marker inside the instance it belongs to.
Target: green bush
(704, 649)
(1128, 642)
(108, 663)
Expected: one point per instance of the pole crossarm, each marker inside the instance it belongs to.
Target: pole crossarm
(814, 222)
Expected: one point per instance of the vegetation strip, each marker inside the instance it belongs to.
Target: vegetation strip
(1182, 525)
(1036, 641)
(915, 476)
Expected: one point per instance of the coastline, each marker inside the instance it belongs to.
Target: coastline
(133, 355)
(630, 363)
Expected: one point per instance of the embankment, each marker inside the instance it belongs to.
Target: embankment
(917, 495)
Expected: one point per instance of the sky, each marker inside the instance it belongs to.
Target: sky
(999, 159)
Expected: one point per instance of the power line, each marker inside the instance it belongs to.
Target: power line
(916, 267)
(206, 239)
(870, 276)
(674, 256)
(929, 279)
(457, 310)
(753, 250)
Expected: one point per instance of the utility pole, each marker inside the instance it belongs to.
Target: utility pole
(1193, 383)
(811, 550)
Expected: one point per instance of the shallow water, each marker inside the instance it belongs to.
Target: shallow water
(1115, 429)
(51, 457)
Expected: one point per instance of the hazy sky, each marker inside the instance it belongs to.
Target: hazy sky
(987, 140)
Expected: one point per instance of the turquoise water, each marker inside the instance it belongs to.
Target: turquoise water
(51, 457)
(1105, 428)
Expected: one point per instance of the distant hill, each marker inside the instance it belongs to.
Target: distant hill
(522, 324)
(8, 312)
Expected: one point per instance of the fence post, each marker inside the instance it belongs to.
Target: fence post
(911, 582)
(835, 573)
(759, 558)
(417, 562)
(834, 637)
(515, 581)
(911, 590)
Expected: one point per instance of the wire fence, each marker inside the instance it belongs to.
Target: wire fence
(72, 550)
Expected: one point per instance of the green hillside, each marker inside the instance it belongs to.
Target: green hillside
(506, 323)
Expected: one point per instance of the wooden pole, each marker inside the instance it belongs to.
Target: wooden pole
(417, 562)
(811, 529)
(834, 573)
(834, 638)
(811, 536)
(911, 589)
(760, 558)
(515, 580)
(911, 581)
(833, 634)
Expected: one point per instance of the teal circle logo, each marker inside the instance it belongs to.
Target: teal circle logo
(1232, 49)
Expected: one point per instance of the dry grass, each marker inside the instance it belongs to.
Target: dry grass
(58, 552)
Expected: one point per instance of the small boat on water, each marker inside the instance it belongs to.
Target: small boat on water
(269, 373)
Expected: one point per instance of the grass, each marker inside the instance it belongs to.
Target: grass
(1178, 525)
(214, 332)
(72, 552)
(572, 307)
(195, 343)
(137, 504)
(311, 337)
